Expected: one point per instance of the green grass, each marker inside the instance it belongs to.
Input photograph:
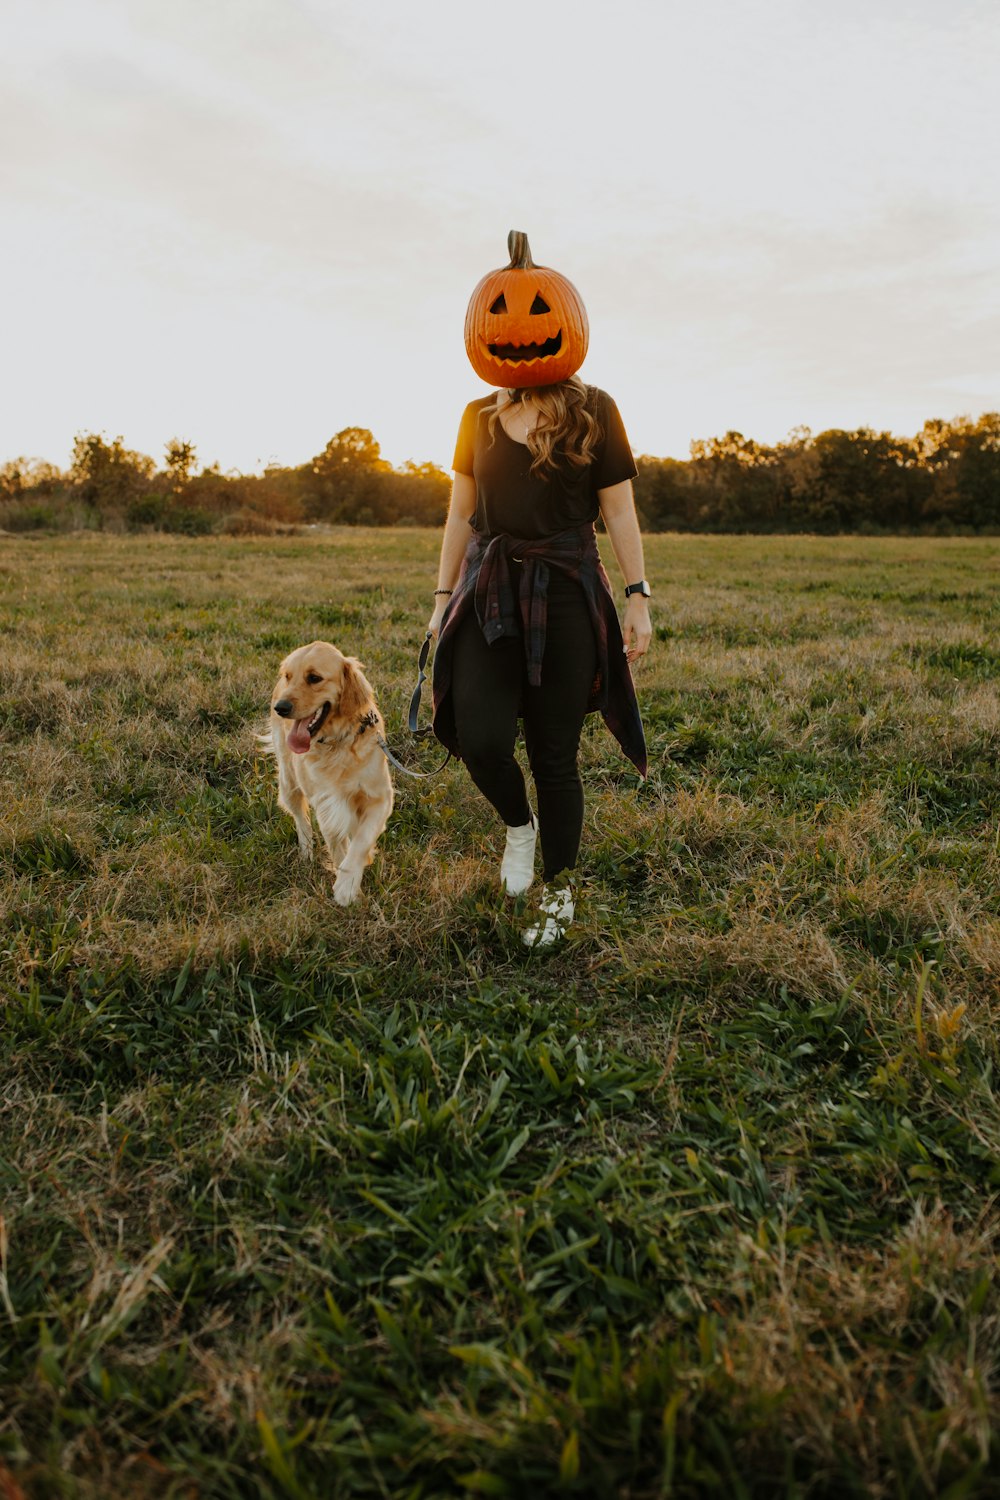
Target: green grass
(300, 1202)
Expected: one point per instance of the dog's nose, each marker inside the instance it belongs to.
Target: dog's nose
(283, 707)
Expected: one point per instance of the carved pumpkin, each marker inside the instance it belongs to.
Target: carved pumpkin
(526, 325)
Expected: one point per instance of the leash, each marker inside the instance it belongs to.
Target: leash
(411, 719)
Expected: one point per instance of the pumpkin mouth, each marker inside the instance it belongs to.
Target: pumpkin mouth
(517, 354)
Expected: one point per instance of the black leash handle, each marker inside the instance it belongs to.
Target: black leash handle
(411, 718)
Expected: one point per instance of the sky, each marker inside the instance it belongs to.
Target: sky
(252, 223)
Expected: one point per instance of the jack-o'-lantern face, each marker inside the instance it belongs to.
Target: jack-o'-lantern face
(526, 325)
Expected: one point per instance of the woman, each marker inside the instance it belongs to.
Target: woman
(523, 609)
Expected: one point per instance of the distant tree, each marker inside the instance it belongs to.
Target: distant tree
(847, 479)
(179, 458)
(417, 495)
(21, 476)
(979, 480)
(663, 493)
(962, 458)
(800, 467)
(346, 477)
(108, 476)
(739, 481)
(280, 494)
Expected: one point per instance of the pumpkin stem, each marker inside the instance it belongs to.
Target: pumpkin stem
(519, 252)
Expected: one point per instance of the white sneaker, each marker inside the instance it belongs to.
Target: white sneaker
(557, 911)
(518, 868)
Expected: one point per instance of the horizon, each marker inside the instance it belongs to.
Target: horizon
(202, 465)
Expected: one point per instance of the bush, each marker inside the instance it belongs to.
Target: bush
(188, 521)
(29, 516)
(148, 511)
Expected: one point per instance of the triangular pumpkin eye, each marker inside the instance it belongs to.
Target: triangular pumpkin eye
(539, 305)
(500, 305)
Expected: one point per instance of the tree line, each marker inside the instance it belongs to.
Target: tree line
(945, 479)
(111, 487)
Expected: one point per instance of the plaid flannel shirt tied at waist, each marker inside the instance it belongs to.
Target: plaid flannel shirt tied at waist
(509, 606)
(505, 608)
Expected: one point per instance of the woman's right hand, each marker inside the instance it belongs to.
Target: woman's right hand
(434, 623)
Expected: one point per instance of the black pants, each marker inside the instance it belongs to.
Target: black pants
(490, 691)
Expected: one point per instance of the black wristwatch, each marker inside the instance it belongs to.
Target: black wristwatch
(642, 587)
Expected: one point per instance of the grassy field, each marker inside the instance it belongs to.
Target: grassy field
(306, 1203)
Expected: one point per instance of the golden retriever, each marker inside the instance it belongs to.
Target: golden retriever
(324, 723)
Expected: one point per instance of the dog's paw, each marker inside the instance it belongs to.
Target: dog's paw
(346, 887)
(306, 853)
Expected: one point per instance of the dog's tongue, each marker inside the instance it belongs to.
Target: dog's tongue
(299, 738)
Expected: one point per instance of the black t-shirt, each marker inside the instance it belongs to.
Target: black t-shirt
(512, 500)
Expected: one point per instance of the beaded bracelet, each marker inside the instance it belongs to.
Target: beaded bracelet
(444, 591)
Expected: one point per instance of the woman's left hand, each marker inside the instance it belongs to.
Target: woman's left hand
(637, 632)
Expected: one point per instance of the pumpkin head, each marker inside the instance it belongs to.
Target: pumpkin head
(526, 325)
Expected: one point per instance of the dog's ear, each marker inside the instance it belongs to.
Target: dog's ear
(355, 692)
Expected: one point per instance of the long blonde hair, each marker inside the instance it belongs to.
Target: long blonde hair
(567, 431)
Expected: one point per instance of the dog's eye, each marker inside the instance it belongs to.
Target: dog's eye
(313, 678)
